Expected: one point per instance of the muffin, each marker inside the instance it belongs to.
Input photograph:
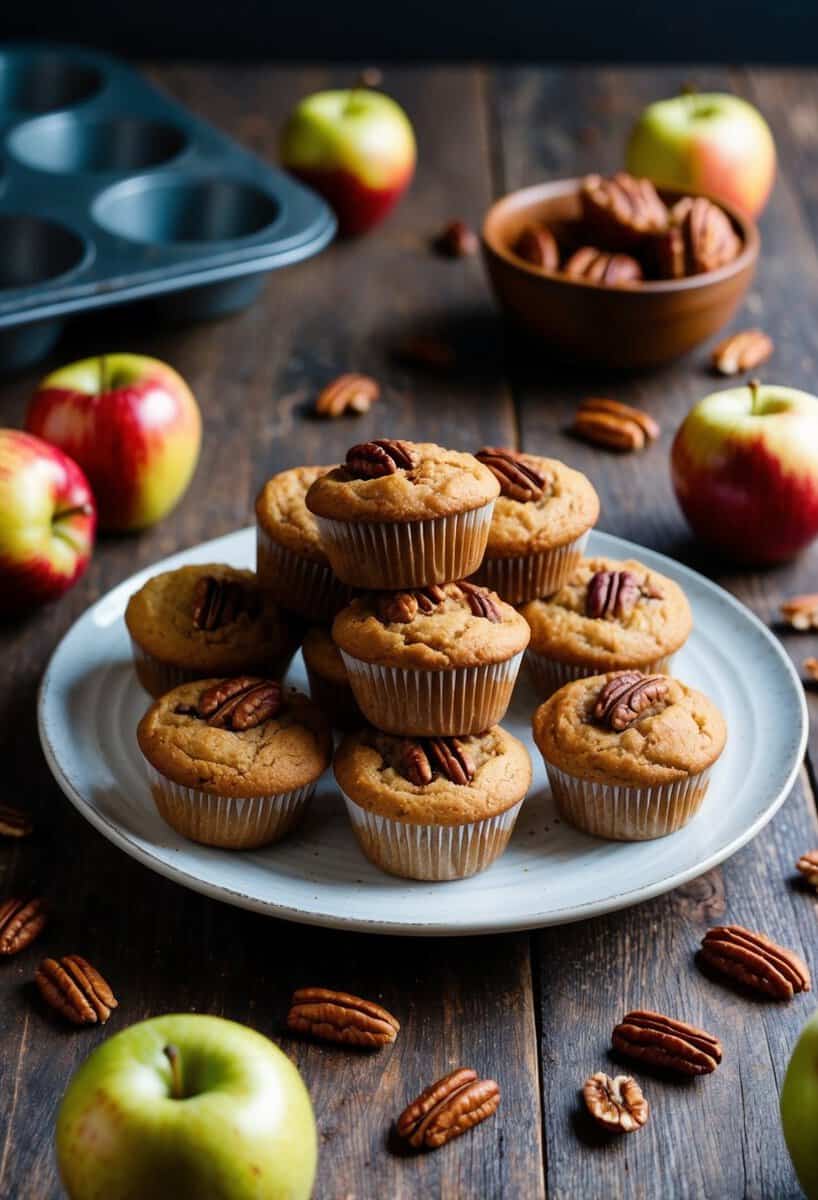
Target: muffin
(629, 755)
(610, 616)
(233, 762)
(435, 660)
(540, 524)
(434, 808)
(328, 679)
(292, 568)
(205, 620)
(404, 514)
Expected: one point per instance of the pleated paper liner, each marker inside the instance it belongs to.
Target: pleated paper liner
(548, 675)
(532, 576)
(305, 587)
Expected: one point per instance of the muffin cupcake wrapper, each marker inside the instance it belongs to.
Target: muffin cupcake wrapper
(299, 584)
(532, 576)
(627, 814)
(549, 676)
(158, 677)
(227, 821)
(433, 703)
(406, 554)
(431, 852)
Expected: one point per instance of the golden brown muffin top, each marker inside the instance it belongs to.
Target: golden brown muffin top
(567, 506)
(283, 515)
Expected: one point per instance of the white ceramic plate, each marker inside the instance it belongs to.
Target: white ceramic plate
(90, 703)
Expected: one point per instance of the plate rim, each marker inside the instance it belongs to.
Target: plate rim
(494, 925)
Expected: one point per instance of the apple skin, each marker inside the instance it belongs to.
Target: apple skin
(744, 465)
(132, 424)
(799, 1108)
(243, 1130)
(708, 142)
(357, 148)
(47, 522)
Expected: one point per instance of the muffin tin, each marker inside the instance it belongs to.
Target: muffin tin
(112, 192)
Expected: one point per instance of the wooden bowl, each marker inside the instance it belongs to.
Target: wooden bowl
(636, 326)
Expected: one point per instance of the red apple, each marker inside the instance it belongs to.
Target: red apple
(134, 427)
(707, 142)
(355, 147)
(745, 468)
(47, 522)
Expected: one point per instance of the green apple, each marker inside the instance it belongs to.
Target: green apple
(187, 1107)
(799, 1108)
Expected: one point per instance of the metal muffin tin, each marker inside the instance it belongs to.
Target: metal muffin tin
(112, 192)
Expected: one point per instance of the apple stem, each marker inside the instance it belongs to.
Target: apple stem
(175, 1059)
(79, 510)
(755, 387)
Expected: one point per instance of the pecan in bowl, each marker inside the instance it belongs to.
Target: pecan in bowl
(622, 210)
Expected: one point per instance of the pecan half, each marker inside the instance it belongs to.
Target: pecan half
(13, 822)
(447, 756)
(429, 597)
(626, 696)
(755, 961)
(482, 602)
(743, 351)
(622, 209)
(385, 456)
(811, 669)
(609, 430)
(537, 246)
(700, 238)
(77, 991)
(600, 266)
(448, 1108)
(808, 866)
(348, 393)
(456, 240)
(627, 412)
(397, 608)
(653, 1038)
(517, 478)
(240, 703)
(219, 602)
(616, 1104)
(21, 921)
(414, 764)
(801, 611)
(426, 350)
(339, 1017)
(612, 594)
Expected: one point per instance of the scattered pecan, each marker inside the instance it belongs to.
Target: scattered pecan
(13, 822)
(397, 608)
(622, 209)
(700, 238)
(538, 246)
(21, 921)
(801, 611)
(616, 1104)
(614, 426)
(481, 601)
(414, 764)
(447, 755)
(456, 240)
(517, 478)
(612, 594)
(614, 408)
(600, 266)
(219, 602)
(811, 668)
(78, 992)
(808, 866)
(755, 961)
(370, 77)
(371, 460)
(240, 703)
(348, 393)
(663, 1042)
(338, 1017)
(425, 350)
(743, 351)
(626, 696)
(448, 1108)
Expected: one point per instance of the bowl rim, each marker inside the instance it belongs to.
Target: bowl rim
(528, 196)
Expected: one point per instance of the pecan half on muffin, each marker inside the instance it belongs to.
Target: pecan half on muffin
(292, 567)
(611, 615)
(328, 679)
(433, 808)
(205, 620)
(540, 524)
(435, 660)
(233, 762)
(404, 514)
(629, 755)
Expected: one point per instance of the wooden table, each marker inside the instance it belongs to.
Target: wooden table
(533, 1009)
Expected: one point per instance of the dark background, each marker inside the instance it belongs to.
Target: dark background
(736, 31)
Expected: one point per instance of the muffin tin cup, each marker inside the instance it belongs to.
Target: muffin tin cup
(460, 701)
(226, 821)
(548, 675)
(335, 700)
(298, 584)
(158, 677)
(405, 554)
(531, 576)
(627, 814)
(431, 852)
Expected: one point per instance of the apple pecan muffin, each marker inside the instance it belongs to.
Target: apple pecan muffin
(629, 755)
(611, 615)
(401, 514)
(329, 680)
(205, 620)
(434, 660)
(433, 808)
(233, 762)
(540, 524)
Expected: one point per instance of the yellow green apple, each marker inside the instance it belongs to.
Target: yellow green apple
(799, 1108)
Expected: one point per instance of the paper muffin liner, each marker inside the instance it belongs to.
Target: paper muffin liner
(335, 700)
(431, 852)
(158, 677)
(308, 588)
(548, 675)
(406, 554)
(627, 814)
(227, 821)
(433, 703)
(532, 576)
